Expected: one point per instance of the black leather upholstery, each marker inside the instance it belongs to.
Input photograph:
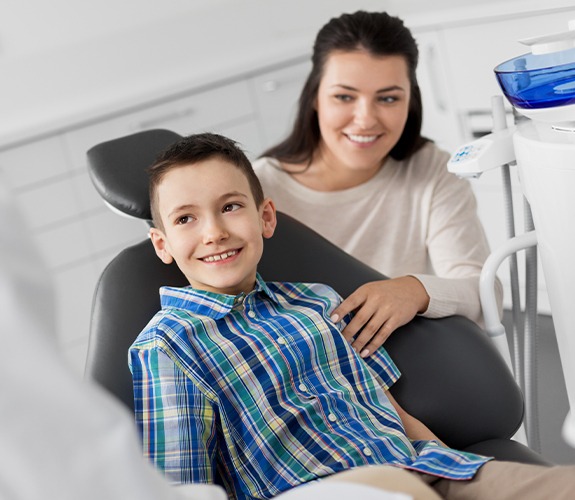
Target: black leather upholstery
(117, 169)
(453, 378)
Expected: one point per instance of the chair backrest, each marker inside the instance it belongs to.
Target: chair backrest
(453, 377)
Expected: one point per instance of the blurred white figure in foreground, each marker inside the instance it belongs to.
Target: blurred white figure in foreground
(60, 438)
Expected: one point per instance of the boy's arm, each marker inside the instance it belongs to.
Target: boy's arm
(175, 420)
(414, 428)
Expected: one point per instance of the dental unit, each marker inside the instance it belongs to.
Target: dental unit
(540, 86)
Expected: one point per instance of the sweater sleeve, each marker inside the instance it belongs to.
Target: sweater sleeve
(457, 247)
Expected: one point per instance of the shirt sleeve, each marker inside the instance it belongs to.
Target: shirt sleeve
(457, 247)
(176, 421)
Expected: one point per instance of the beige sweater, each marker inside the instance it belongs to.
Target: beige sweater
(412, 218)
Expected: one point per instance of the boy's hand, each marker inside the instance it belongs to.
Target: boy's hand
(380, 308)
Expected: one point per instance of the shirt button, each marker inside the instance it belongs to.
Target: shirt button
(251, 314)
(302, 387)
(367, 452)
(281, 341)
(331, 417)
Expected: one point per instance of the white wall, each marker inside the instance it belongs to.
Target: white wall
(32, 26)
(29, 27)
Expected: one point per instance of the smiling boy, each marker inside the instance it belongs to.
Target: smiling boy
(210, 219)
(250, 384)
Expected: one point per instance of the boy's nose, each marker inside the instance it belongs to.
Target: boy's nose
(214, 231)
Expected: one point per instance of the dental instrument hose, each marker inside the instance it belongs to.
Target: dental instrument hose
(531, 338)
(500, 123)
(517, 332)
(529, 365)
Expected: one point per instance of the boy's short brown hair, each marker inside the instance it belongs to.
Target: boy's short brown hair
(194, 149)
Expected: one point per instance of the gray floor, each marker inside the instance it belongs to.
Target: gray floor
(552, 396)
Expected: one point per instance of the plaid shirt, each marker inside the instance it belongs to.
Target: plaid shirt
(261, 392)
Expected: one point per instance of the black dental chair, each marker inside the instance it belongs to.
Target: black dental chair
(453, 378)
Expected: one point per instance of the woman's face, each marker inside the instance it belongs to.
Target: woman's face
(362, 106)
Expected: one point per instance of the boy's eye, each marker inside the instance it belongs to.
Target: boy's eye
(231, 207)
(184, 219)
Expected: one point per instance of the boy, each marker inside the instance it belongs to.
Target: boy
(250, 383)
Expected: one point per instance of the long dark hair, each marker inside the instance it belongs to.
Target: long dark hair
(380, 35)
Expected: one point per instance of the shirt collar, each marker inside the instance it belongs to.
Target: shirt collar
(211, 304)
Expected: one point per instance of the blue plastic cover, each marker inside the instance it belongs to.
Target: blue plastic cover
(539, 81)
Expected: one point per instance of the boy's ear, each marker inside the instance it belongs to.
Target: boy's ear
(159, 241)
(269, 220)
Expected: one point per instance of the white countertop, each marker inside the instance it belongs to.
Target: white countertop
(54, 91)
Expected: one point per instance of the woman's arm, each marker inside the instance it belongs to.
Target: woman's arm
(457, 248)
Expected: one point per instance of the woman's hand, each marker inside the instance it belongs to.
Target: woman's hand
(380, 308)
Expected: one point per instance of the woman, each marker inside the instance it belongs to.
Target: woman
(356, 169)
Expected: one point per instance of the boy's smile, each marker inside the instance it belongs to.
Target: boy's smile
(225, 256)
(212, 226)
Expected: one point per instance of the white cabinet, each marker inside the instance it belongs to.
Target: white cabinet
(221, 108)
(33, 163)
(276, 95)
(440, 118)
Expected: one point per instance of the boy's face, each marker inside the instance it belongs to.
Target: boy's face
(212, 226)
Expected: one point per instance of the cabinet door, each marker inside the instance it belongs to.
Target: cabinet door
(246, 134)
(440, 120)
(34, 163)
(276, 95)
(198, 112)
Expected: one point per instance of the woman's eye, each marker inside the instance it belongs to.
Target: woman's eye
(343, 97)
(388, 99)
(231, 207)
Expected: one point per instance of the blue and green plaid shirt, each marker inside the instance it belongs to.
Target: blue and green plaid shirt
(261, 393)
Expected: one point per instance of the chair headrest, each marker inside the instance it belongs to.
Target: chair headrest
(118, 169)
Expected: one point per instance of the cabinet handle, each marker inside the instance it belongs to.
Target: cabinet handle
(435, 79)
(270, 86)
(159, 120)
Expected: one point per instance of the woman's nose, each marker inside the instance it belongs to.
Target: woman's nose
(365, 115)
